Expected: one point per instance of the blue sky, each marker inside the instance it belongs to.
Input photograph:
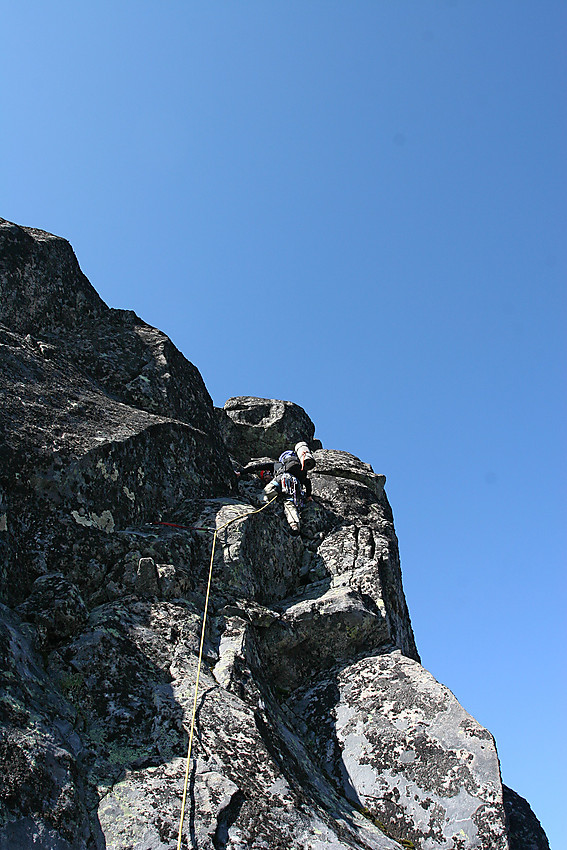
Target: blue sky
(394, 172)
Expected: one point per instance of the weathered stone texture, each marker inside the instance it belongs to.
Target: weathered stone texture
(406, 750)
(42, 789)
(255, 427)
(79, 448)
(316, 725)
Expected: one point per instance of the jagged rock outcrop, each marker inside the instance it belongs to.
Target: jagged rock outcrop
(316, 726)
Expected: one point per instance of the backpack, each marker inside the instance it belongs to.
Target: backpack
(288, 462)
(306, 458)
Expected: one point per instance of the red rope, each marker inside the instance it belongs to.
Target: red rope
(187, 527)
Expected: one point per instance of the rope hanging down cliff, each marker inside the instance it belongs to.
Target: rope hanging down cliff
(194, 712)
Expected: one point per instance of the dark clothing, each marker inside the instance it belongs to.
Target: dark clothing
(268, 466)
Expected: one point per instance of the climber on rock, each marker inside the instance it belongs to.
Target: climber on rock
(287, 480)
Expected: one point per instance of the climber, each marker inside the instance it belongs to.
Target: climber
(287, 479)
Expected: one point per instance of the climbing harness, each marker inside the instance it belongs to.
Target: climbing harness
(216, 531)
(292, 487)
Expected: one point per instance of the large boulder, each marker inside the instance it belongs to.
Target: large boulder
(258, 427)
(402, 747)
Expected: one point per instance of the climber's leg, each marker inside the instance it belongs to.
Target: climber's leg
(292, 515)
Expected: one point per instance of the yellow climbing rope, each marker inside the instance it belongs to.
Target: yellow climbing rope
(186, 783)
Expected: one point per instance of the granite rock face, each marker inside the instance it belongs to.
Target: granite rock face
(406, 751)
(316, 725)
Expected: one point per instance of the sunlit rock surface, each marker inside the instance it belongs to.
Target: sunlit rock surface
(316, 725)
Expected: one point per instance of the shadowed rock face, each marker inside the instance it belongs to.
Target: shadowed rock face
(103, 422)
(316, 726)
(526, 832)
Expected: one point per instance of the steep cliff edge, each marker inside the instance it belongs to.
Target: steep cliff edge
(317, 726)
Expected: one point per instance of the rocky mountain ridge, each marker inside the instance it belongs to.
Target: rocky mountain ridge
(317, 726)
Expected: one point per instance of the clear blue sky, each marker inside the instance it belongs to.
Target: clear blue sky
(395, 173)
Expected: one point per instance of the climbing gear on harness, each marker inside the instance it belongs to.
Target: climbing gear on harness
(291, 486)
(287, 483)
(186, 783)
